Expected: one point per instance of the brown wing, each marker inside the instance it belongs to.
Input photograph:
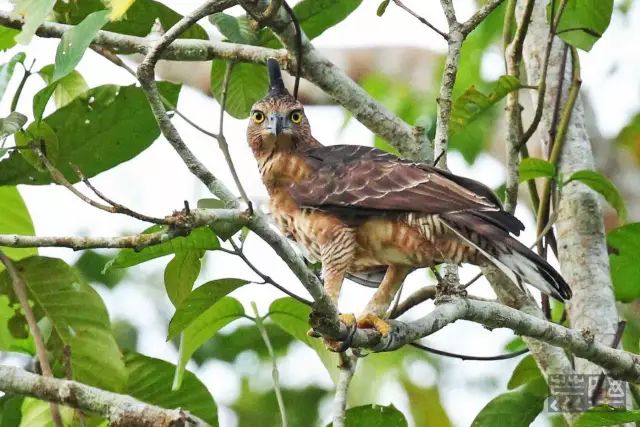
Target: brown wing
(364, 181)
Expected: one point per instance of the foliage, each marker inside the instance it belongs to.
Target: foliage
(106, 126)
(531, 168)
(583, 21)
(604, 186)
(374, 416)
(625, 244)
(15, 219)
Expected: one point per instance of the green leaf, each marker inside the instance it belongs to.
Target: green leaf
(236, 30)
(138, 21)
(78, 319)
(37, 413)
(201, 238)
(11, 124)
(629, 136)
(34, 12)
(317, 16)
(10, 410)
(525, 372)
(199, 301)
(203, 327)
(6, 71)
(472, 103)
(15, 219)
(67, 88)
(382, 7)
(606, 416)
(181, 273)
(38, 134)
(293, 317)
(247, 84)
(11, 318)
(520, 406)
(150, 381)
(583, 21)
(374, 416)
(76, 40)
(624, 260)
(602, 185)
(91, 264)
(531, 168)
(7, 39)
(426, 405)
(97, 131)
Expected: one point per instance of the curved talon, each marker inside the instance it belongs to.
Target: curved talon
(340, 346)
(369, 321)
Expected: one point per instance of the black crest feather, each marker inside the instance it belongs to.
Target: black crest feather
(276, 84)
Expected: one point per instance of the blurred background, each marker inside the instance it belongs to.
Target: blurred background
(399, 61)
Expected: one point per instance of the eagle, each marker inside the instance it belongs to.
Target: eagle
(358, 209)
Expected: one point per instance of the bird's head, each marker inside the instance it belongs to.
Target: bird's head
(277, 121)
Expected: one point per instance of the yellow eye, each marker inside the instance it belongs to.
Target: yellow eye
(296, 117)
(258, 116)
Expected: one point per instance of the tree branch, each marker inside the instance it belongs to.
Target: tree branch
(318, 70)
(120, 410)
(347, 368)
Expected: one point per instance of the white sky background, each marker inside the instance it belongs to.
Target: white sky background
(156, 182)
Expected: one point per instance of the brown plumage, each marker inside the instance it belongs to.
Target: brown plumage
(358, 209)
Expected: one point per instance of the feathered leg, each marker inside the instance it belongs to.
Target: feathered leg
(377, 307)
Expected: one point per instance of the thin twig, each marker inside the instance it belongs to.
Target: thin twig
(23, 81)
(421, 19)
(222, 141)
(20, 289)
(237, 251)
(418, 297)
(558, 143)
(274, 365)
(347, 368)
(614, 344)
(542, 83)
(469, 357)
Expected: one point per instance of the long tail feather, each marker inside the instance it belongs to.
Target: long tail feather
(508, 254)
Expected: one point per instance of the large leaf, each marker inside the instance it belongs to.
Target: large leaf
(374, 416)
(583, 21)
(34, 12)
(97, 131)
(14, 332)
(75, 41)
(236, 30)
(206, 325)
(181, 273)
(150, 381)
(201, 238)
(426, 405)
(624, 260)
(199, 301)
(520, 406)
(247, 84)
(7, 37)
(315, 17)
(67, 88)
(293, 317)
(70, 51)
(15, 219)
(6, 71)
(37, 413)
(138, 20)
(472, 103)
(78, 319)
(604, 186)
(10, 410)
(531, 168)
(629, 136)
(606, 416)
(526, 371)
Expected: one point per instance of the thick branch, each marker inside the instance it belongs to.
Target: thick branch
(617, 363)
(318, 70)
(120, 410)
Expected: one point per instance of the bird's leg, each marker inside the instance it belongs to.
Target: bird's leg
(336, 259)
(379, 304)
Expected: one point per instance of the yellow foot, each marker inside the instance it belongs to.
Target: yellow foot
(349, 321)
(369, 321)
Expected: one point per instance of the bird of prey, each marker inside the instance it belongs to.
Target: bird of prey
(358, 209)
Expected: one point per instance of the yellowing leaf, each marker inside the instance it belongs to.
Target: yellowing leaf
(119, 8)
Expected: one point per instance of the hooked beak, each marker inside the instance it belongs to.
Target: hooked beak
(276, 123)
